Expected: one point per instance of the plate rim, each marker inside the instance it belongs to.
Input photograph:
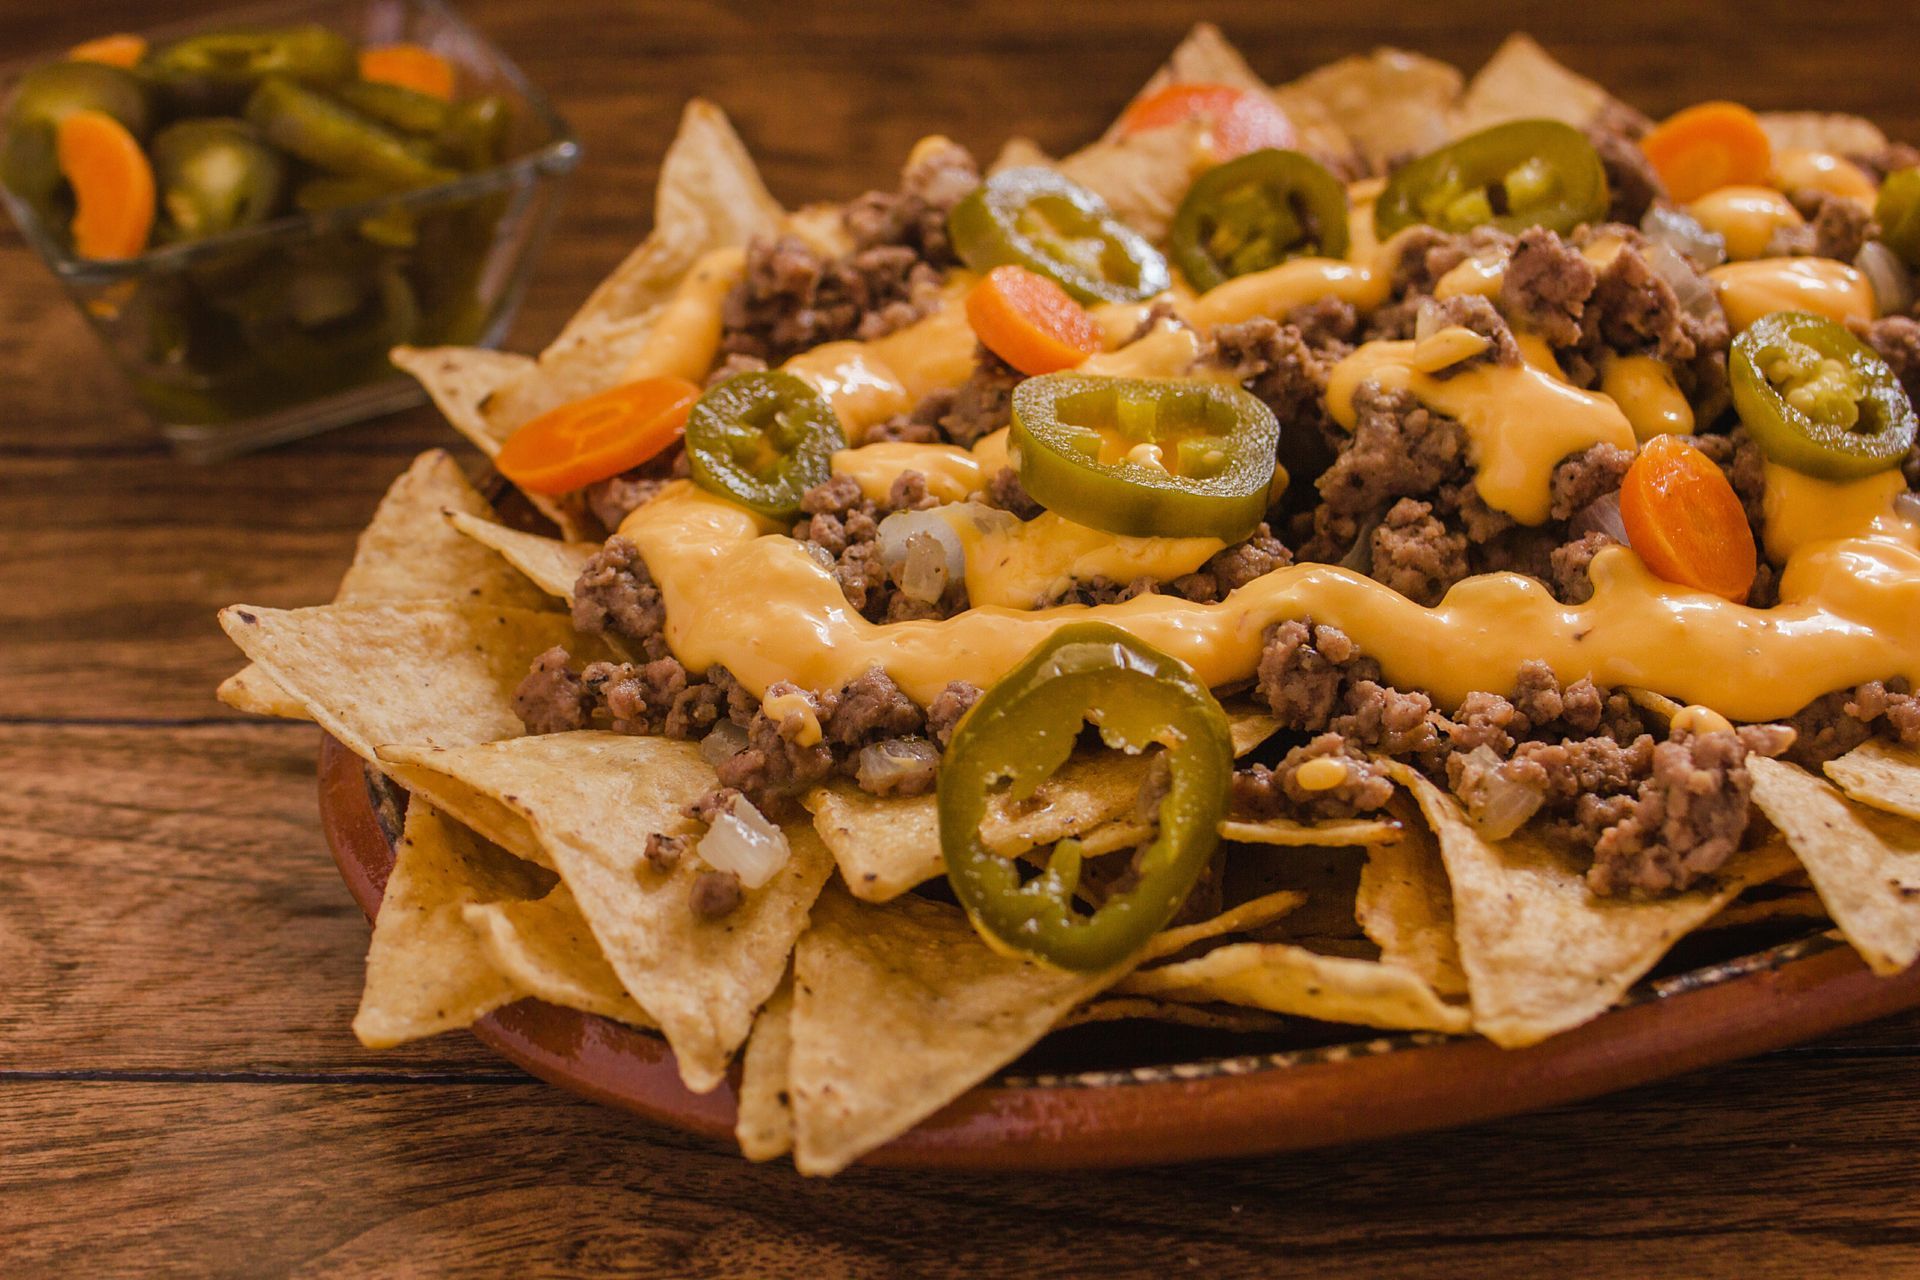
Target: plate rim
(1385, 1086)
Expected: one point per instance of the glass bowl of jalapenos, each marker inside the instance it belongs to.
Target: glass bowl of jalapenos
(252, 212)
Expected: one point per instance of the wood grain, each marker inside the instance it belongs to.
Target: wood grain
(179, 1091)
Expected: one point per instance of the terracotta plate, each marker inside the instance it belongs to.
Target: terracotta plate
(1130, 1093)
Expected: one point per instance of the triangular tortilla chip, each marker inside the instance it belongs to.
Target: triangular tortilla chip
(593, 798)
(545, 949)
(1822, 131)
(550, 564)
(1406, 907)
(460, 380)
(405, 553)
(426, 971)
(897, 1011)
(1523, 82)
(1882, 775)
(1288, 833)
(1284, 978)
(1542, 952)
(1390, 103)
(764, 1123)
(1865, 863)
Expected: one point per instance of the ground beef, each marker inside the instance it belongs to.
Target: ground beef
(1569, 565)
(920, 425)
(715, 894)
(1415, 554)
(915, 216)
(1276, 363)
(1399, 722)
(1399, 448)
(777, 766)
(1546, 286)
(1897, 339)
(1631, 180)
(1005, 491)
(1304, 672)
(1260, 792)
(612, 500)
(1330, 326)
(952, 702)
(552, 698)
(984, 402)
(1895, 155)
(733, 365)
(1687, 818)
(1586, 477)
(1836, 227)
(664, 852)
(1471, 311)
(871, 707)
(1835, 723)
(1634, 310)
(615, 595)
(792, 297)
(1229, 570)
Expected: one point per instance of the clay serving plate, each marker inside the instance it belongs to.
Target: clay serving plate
(1138, 1093)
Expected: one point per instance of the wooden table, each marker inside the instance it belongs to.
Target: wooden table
(179, 1091)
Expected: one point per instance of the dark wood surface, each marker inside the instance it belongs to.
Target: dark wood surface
(179, 1090)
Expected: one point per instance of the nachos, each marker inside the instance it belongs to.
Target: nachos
(1379, 550)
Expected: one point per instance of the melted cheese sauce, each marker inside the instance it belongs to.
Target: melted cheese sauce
(1746, 217)
(1797, 169)
(1017, 565)
(1749, 290)
(1644, 389)
(1519, 421)
(683, 341)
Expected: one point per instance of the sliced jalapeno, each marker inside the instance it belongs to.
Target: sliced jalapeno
(1818, 399)
(1038, 219)
(1022, 730)
(1528, 173)
(1898, 213)
(326, 134)
(763, 439)
(400, 108)
(1255, 212)
(47, 95)
(1171, 457)
(213, 73)
(474, 136)
(214, 175)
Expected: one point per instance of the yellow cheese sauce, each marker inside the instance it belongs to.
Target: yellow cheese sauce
(1801, 169)
(683, 341)
(1746, 217)
(1519, 421)
(1646, 392)
(1016, 564)
(1749, 290)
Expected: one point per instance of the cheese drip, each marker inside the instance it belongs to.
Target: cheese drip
(1749, 290)
(1746, 217)
(1850, 612)
(1520, 422)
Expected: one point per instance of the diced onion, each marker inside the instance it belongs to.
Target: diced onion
(1498, 805)
(742, 841)
(1694, 290)
(1602, 515)
(897, 529)
(1426, 320)
(725, 741)
(897, 766)
(1681, 231)
(923, 575)
(1892, 282)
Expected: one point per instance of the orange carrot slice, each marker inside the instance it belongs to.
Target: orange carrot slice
(1239, 120)
(120, 50)
(112, 185)
(572, 446)
(1686, 522)
(1030, 322)
(409, 66)
(1709, 146)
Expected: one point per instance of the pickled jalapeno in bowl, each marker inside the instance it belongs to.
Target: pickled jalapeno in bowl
(252, 214)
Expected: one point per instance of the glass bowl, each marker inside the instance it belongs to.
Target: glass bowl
(278, 331)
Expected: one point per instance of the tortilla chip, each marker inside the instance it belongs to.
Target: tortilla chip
(1542, 952)
(593, 798)
(545, 949)
(426, 971)
(460, 380)
(764, 1124)
(1405, 905)
(710, 196)
(1822, 131)
(1206, 1017)
(1018, 153)
(1114, 836)
(479, 813)
(406, 553)
(1882, 775)
(1284, 978)
(1865, 863)
(1203, 56)
(1523, 82)
(1287, 833)
(1238, 919)
(550, 564)
(1390, 103)
(897, 1011)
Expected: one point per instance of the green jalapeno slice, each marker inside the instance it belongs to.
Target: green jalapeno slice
(1527, 173)
(214, 73)
(336, 138)
(47, 95)
(1255, 212)
(762, 440)
(1898, 212)
(1172, 457)
(407, 110)
(1038, 219)
(215, 175)
(1022, 730)
(1817, 399)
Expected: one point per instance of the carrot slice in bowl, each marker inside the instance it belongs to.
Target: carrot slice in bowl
(410, 66)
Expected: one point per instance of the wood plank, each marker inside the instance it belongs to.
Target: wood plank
(167, 904)
(1735, 1172)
